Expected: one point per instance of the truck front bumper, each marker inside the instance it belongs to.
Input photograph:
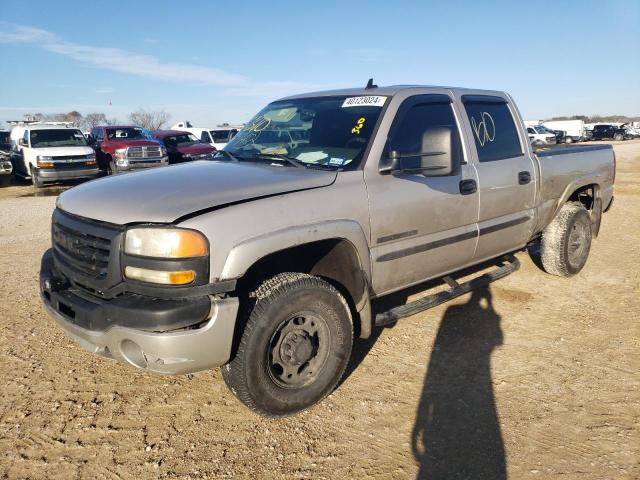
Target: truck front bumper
(141, 163)
(5, 167)
(141, 331)
(52, 175)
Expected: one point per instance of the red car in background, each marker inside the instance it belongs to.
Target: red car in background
(183, 146)
(121, 148)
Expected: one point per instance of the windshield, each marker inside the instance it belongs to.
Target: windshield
(541, 129)
(126, 132)
(330, 132)
(182, 140)
(220, 136)
(61, 137)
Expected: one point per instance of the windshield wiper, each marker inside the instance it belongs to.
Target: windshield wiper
(228, 154)
(282, 158)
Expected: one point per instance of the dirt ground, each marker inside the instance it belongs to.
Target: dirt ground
(534, 378)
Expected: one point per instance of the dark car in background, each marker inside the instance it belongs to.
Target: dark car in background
(605, 132)
(5, 157)
(183, 146)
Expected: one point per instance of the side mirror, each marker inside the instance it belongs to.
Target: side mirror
(91, 139)
(436, 158)
(22, 142)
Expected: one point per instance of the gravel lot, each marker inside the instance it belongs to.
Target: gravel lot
(536, 377)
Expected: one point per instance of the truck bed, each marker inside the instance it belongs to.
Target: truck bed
(566, 168)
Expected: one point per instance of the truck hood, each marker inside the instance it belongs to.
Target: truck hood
(62, 151)
(162, 195)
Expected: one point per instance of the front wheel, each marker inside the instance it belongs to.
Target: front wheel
(35, 179)
(565, 243)
(294, 347)
(568, 140)
(618, 136)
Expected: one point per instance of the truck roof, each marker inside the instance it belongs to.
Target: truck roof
(390, 90)
(44, 126)
(117, 126)
(168, 133)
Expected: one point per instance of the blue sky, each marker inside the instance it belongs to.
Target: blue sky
(211, 62)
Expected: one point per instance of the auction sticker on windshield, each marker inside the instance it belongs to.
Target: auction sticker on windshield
(366, 101)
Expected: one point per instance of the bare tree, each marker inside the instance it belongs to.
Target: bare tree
(152, 120)
(97, 118)
(75, 117)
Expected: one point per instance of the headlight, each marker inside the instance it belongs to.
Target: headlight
(165, 243)
(90, 156)
(120, 153)
(163, 151)
(44, 161)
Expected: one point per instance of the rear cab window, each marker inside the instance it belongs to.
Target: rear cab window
(493, 128)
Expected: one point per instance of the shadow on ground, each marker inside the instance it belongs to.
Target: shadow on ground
(457, 431)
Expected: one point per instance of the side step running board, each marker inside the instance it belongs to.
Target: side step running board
(508, 265)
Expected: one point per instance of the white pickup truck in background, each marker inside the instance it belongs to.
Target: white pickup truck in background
(217, 137)
(541, 135)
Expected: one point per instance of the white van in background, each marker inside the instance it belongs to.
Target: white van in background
(217, 137)
(573, 129)
(51, 153)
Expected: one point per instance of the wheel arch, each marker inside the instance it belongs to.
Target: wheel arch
(336, 251)
(589, 194)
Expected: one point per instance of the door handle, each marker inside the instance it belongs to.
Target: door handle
(524, 178)
(467, 187)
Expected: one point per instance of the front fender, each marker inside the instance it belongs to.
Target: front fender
(241, 257)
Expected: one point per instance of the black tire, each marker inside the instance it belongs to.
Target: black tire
(618, 136)
(565, 243)
(35, 180)
(568, 140)
(271, 372)
(111, 166)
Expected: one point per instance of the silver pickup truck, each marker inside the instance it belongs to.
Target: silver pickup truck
(265, 260)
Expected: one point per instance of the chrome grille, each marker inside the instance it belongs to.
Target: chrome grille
(147, 151)
(73, 157)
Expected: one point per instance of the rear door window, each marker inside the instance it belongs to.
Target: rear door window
(205, 137)
(494, 130)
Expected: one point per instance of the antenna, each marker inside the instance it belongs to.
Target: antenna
(370, 85)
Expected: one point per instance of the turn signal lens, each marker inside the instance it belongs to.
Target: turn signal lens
(157, 276)
(42, 164)
(166, 243)
(90, 162)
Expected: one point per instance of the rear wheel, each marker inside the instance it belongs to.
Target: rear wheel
(564, 246)
(294, 347)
